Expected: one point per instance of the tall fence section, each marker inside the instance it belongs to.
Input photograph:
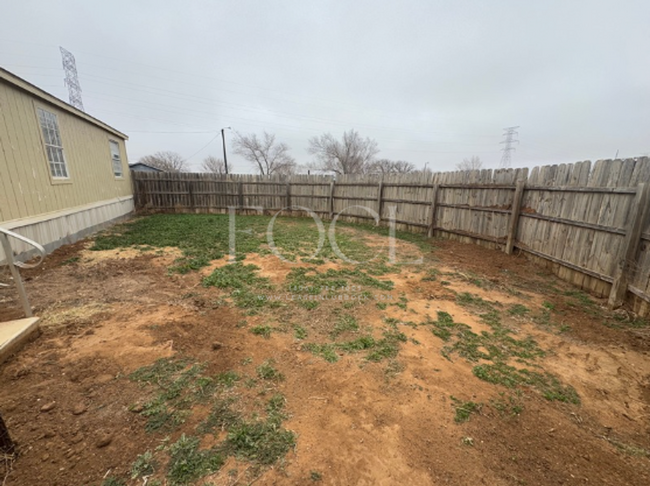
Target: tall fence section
(590, 223)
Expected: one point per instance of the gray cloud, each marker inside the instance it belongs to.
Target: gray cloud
(431, 81)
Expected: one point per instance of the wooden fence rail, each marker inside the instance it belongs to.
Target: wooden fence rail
(589, 223)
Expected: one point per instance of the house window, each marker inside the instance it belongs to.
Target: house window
(115, 158)
(53, 145)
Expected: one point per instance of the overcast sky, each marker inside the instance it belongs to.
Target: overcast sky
(431, 81)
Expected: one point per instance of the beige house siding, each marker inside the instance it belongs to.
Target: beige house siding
(26, 186)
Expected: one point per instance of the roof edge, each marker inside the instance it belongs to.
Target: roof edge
(34, 90)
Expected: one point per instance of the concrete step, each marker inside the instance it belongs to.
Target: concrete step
(14, 334)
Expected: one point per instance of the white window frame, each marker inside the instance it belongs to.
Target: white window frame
(116, 159)
(51, 135)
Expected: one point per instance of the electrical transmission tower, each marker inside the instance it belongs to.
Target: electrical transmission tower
(509, 134)
(71, 79)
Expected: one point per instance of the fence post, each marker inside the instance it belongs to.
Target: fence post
(191, 193)
(332, 185)
(380, 195)
(514, 216)
(640, 210)
(289, 195)
(240, 193)
(9, 256)
(432, 211)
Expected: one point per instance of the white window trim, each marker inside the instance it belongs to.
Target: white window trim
(54, 177)
(119, 154)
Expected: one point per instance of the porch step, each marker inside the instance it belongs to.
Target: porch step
(14, 334)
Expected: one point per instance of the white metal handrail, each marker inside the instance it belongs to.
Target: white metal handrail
(9, 256)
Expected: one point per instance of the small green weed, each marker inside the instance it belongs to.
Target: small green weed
(267, 371)
(299, 332)
(227, 378)
(325, 351)
(258, 441)
(188, 463)
(179, 386)
(113, 481)
(345, 323)
(518, 310)
(431, 275)
(144, 465)
(464, 410)
(264, 331)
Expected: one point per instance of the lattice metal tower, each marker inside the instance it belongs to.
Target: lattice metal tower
(71, 79)
(509, 134)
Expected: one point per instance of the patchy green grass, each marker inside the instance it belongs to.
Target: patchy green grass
(255, 436)
(205, 237)
(509, 376)
(467, 299)
(179, 385)
(248, 290)
(144, 465)
(623, 321)
(187, 462)
(113, 481)
(495, 350)
(518, 310)
(264, 331)
(431, 275)
(326, 351)
(464, 410)
(345, 323)
(266, 371)
(512, 405)
(629, 449)
(374, 349)
(259, 441)
(221, 416)
(227, 379)
(311, 281)
(299, 332)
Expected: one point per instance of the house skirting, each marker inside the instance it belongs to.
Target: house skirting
(59, 228)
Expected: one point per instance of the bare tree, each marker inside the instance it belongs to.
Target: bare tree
(385, 166)
(473, 163)
(165, 161)
(270, 157)
(213, 165)
(352, 155)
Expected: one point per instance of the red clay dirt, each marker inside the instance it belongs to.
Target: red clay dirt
(105, 317)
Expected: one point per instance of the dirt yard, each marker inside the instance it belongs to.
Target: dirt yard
(160, 363)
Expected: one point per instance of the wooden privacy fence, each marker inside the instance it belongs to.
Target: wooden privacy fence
(589, 223)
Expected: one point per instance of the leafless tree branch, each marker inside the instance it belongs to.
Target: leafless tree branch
(269, 156)
(166, 161)
(473, 163)
(352, 155)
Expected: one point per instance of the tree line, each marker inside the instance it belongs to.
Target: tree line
(352, 154)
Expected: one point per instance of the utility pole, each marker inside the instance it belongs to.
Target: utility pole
(223, 139)
(71, 79)
(509, 134)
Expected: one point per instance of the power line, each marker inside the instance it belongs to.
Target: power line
(71, 79)
(202, 148)
(509, 134)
